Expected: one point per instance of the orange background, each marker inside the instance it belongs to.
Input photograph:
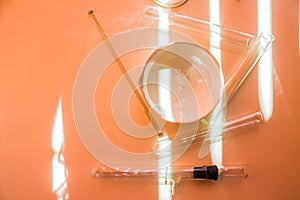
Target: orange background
(42, 45)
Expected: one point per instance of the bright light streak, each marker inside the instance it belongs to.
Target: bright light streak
(58, 130)
(164, 191)
(165, 2)
(59, 171)
(265, 66)
(214, 17)
(164, 188)
(215, 147)
(164, 93)
(163, 24)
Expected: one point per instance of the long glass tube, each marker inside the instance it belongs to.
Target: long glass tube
(244, 121)
(201, 27)
(123, 69)
(177, 173)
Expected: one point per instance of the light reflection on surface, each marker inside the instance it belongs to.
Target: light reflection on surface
(164, 93)
(215, 147)
(59, 171)
(164, 191)
(265, 66)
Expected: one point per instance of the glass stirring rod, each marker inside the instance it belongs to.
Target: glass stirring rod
(174, 173)
(124, 71)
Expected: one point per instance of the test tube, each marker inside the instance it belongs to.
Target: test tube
(204, 28)
(244, 121)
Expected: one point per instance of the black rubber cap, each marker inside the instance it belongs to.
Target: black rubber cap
(206, 172)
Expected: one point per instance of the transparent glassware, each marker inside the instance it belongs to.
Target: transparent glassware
(169, 3)
(247, 46)
(244, 50)
(174, 173)
(245, 121)
(182, 82)
(193, 68)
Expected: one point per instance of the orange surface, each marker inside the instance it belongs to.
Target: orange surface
(42, 45)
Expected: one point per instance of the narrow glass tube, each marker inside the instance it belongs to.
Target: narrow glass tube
(260, 46)
(244, 121)
(123, 69)
(233, 172)
(201, 27)
(174, 173)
